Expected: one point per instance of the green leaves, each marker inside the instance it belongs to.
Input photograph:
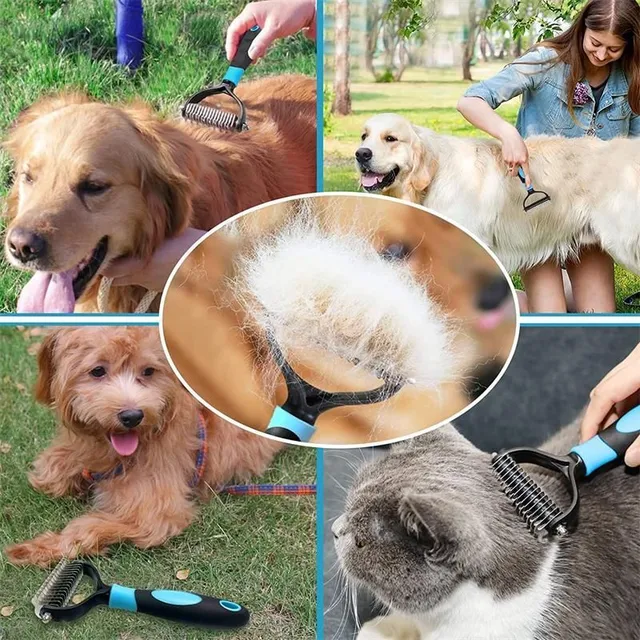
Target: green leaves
(542, 18)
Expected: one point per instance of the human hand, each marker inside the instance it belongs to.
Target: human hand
(515, 152)
(276, 18)
(611, 398)
(154, 273)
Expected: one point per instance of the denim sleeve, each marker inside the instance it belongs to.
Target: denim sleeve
(634, 126)
(514, 79)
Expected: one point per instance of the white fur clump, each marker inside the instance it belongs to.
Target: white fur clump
(308, 288)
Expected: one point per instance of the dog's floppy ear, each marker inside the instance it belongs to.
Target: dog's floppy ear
(168, 171)
(46, 369)
(422, 165)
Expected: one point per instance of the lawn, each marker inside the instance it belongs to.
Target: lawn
(259, 551)
(54, 45)
(427, 97)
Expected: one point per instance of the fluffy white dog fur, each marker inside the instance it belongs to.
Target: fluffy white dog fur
(344, 298)
(594, 187)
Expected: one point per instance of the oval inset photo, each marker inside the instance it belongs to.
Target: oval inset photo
(339, 319)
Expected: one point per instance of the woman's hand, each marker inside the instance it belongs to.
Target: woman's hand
(617, 393)
(276, 18)
(515, 152)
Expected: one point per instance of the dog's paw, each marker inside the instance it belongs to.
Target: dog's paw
(53, 484)
(42, 551)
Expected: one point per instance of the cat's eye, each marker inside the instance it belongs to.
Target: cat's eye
(148, 372)
(98, 372)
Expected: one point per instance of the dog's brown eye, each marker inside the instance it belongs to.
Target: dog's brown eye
(90, 188)
(27, 177)
(363, 137)
(148, 372)
(391, 139)
(98, 372)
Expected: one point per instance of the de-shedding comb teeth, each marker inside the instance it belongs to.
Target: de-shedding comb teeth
(58, 588)
(532, 502)
(212, 117)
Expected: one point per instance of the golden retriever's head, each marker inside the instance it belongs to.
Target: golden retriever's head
(392, 158)
(93, 182)
(112, 385)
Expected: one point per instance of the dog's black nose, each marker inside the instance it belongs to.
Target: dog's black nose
(493, 293)
(131, 417)
(26, 245)
(363, 154)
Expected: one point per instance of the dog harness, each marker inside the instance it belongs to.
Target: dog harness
(201, 461)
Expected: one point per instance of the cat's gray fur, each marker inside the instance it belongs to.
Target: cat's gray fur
(432, 515)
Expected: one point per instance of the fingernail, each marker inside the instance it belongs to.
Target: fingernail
(632, 459)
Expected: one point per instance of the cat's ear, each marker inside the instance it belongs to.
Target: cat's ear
(441, 525)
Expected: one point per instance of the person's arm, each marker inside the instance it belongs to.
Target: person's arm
(611, 398)
(479, 102)
(276, 18)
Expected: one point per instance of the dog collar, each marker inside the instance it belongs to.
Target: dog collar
(201, 461)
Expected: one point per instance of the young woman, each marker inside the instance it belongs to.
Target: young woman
(586, 81)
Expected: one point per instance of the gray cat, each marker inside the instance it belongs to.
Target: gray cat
(429, 531)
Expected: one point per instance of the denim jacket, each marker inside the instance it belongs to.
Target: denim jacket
(544, 108)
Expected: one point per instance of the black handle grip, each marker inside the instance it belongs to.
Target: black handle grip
(242, 59)
(191, 608)
(618, 440)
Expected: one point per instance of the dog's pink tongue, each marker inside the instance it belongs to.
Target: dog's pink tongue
(48, 293)
(369, 179)
(125, 443)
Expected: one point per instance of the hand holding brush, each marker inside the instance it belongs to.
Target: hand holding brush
(616, 394)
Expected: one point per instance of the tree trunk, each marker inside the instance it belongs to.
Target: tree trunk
(341, 91)
(468, 46)
(374, 25)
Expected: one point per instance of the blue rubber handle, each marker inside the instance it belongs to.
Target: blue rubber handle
(610, 444)
(282, 419)
(180, 606)
(523, 179)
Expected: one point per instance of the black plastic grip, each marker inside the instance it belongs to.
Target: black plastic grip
(242, 59)
(203, 611)
(282, 432)
(619, 441)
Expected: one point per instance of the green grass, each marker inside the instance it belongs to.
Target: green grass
(259, 551)
(427, 97)
(50, 46)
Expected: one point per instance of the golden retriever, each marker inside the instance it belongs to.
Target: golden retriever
(221, 362)
(594, 187)
(95, 182)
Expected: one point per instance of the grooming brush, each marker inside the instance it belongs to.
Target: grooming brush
(308, 289)
(543, 516)
(533, 198)
(203, 114)
(53, 598)
(296, 418)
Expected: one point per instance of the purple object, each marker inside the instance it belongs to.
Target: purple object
(581, 94)
(129, 33)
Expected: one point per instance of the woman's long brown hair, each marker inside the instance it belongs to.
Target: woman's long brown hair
(619, 17)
